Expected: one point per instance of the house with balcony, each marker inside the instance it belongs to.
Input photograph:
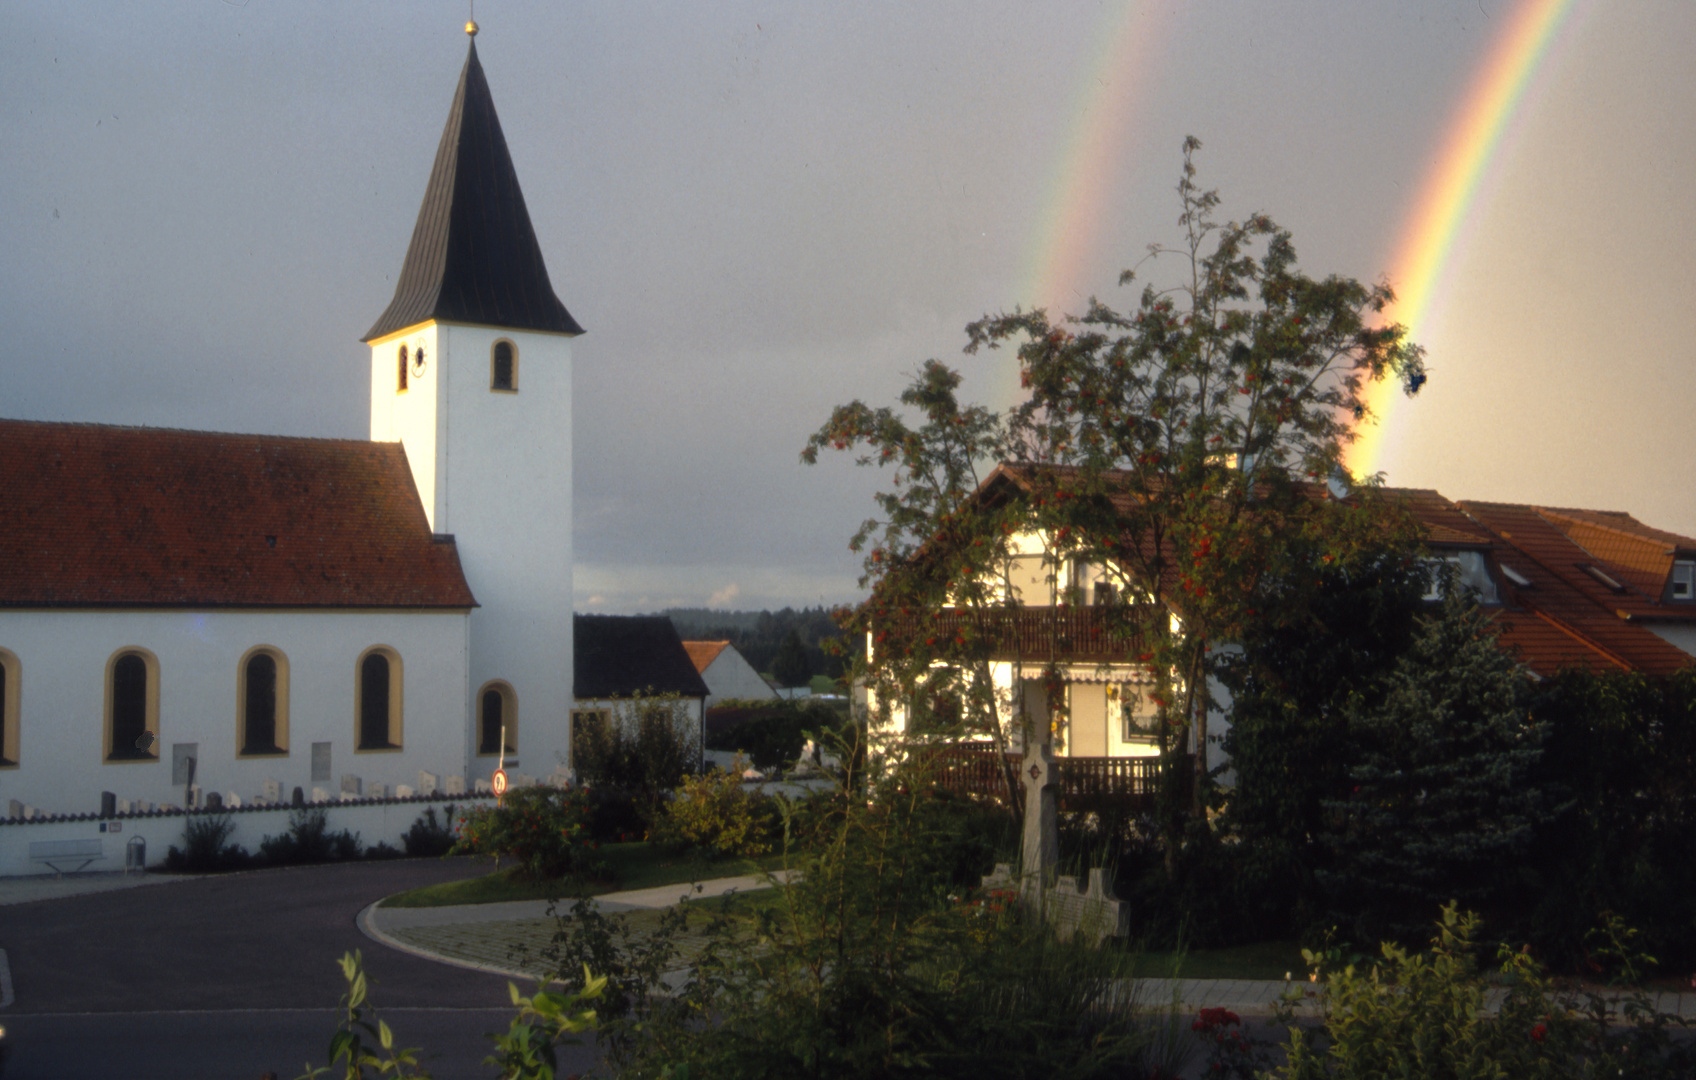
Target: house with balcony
(1565, 588)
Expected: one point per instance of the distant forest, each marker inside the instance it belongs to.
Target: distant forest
(758, 635)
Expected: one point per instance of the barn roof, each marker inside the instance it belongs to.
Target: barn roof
(619, 656)
(102, 516)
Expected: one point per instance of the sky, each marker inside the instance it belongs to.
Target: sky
(761, 210)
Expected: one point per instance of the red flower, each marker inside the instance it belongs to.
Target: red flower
(1538, 1031)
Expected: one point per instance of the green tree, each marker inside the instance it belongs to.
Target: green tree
(1177, 446)
(1293, 688)
(790, 666)
(1442, 805)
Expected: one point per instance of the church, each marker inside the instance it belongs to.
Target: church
(255, 613)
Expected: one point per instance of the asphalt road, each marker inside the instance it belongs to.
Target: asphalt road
(229, 976)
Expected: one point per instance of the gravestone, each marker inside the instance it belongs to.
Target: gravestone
(272, 790)
(560, 777)
(523, 780)
(1041, 850)
(15, 809)
(108, 804)
(403, 791)
(427, 783)
(124, 806)
(378, 791)
(320, 762)
(142, 806)
(351, 784)
(454, 785)
(1095, 913)
(183, 755)
(299, 796)
(320, 795)
(194, 799)
(214, 801)
(233, 801)
(482, 786)
(27, 813)
(348, 796)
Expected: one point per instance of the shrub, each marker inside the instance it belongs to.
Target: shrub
(867, 965)
(1423, 1015)
(771, 733)
(309, 840)
(645, 748)
(429, 838)
(716, 814)
(204, 846)
(384, 850)
(615, 817)
(543, 830)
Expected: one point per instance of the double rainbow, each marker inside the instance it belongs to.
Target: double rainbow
(1429, 243)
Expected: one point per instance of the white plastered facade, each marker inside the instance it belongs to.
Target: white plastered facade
(731, 677)
(493, 467)
(63, 658)
(1098, 696)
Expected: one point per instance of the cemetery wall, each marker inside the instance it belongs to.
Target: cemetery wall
(375, 820)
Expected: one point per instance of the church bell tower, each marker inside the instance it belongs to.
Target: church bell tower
(471, 372)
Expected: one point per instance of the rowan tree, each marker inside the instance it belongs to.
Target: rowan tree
(1182, 447)
(1188, 438)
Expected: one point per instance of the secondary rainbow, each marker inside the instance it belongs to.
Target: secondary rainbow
(1440, 220)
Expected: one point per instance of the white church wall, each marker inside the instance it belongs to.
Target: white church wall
(504, 481)
(63, 659)
(410, 416)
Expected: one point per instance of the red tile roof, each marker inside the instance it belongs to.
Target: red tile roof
(703, 653)
(148, 517)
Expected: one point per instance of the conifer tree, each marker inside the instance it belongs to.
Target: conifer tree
(1442, 799)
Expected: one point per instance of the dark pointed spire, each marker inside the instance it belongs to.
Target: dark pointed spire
(473, 256)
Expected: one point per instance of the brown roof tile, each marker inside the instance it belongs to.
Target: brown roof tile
(703, 653)
(147, 517)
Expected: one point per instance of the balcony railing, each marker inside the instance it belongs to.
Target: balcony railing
(1023, 633)
(1086, 783)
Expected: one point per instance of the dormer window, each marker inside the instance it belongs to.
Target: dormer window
(1684, 580)
(1470, 569)
(400, 377)
(503, 367)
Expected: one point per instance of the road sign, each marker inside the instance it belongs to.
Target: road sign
(499, 782)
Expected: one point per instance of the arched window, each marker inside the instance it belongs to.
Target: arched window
(377, 700)
(400, 369)
(497, 711)
(503, 366)
(132, 706)
(10, 697)
(263, 700)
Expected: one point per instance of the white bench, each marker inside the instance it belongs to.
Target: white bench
(53, 852)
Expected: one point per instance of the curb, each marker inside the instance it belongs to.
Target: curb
(368, 926)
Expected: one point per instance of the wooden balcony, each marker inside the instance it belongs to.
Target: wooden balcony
(1024, 633)
(1086, 783)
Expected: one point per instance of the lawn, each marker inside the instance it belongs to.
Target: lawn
(630, 866)
(1263, 960)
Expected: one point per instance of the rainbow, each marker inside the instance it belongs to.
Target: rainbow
(1090, 165)
(1436, 230)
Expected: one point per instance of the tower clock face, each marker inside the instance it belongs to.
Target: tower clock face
(418, 359)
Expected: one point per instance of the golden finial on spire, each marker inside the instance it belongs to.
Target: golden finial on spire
(471, 28)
